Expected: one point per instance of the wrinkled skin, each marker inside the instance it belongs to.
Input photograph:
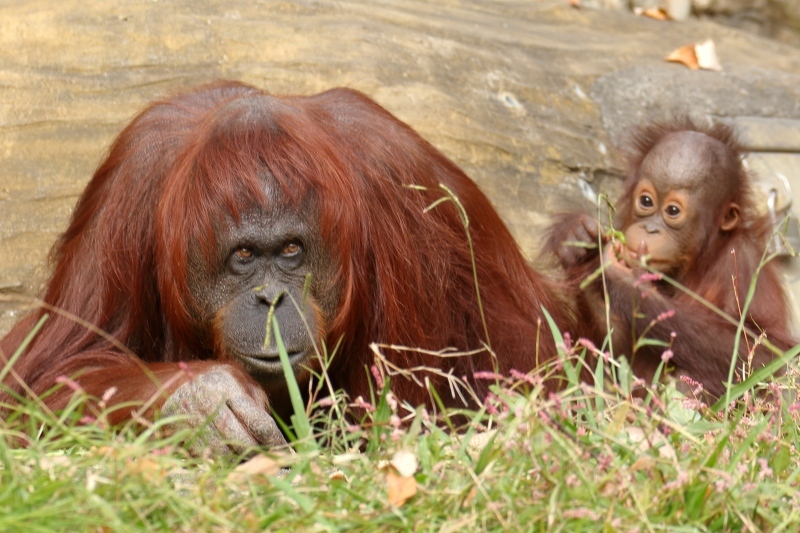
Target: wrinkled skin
(577, 228)
(271, 258)
(271, 261)
(233, 417)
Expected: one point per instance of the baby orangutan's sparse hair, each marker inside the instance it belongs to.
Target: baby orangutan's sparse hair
(687, 209)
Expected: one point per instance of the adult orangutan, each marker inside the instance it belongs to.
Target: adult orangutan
(216, 206)
(689, 209)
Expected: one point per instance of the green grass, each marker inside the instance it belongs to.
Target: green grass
(590, 458)
(587, 459)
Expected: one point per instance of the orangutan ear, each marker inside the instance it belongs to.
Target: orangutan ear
(731, 219)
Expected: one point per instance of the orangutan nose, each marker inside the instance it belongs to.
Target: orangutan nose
(651, 227)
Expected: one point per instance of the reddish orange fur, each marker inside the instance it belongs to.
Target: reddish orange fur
(405, 276)
(705, 341)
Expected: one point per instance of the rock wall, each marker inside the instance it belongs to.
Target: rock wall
(528, 97)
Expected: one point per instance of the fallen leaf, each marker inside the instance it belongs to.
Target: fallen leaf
(697, 56)
(338, 475)
(107, 451)
(147, 468)
(404, 462)
(644, 462)
(260, 465)
(707, 55)
(685, 55)
(401, 488)
(315, 469)
(470, 496)
(610, 489)
(657, 13)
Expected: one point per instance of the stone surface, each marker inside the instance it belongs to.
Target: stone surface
(528, 97)
(778, 19)
(760, 134)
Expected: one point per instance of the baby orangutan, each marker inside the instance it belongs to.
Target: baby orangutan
(688, 212)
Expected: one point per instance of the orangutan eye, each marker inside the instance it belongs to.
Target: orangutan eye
(645, 201)
(673, 211)
(291, 249)
(244, 253)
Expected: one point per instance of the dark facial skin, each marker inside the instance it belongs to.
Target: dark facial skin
(263, 261)
(680, 200)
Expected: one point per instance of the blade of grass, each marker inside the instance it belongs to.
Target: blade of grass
(302, 427)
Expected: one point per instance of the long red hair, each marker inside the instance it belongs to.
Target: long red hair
(405, 270)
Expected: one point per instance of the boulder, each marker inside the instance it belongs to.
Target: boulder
(530, 98)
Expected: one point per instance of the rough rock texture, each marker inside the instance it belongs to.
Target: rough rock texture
(775, 19)
(778, 19)
(526, 96)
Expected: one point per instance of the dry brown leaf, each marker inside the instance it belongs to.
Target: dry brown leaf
(315, 469)
(697, 56)
(657, 13)
(338, 475)
(147, 468)
(685, 55)
(400, 488)
(104, 451)
(644, 462)
(610, 489)
(260, 465)
(470, 496)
